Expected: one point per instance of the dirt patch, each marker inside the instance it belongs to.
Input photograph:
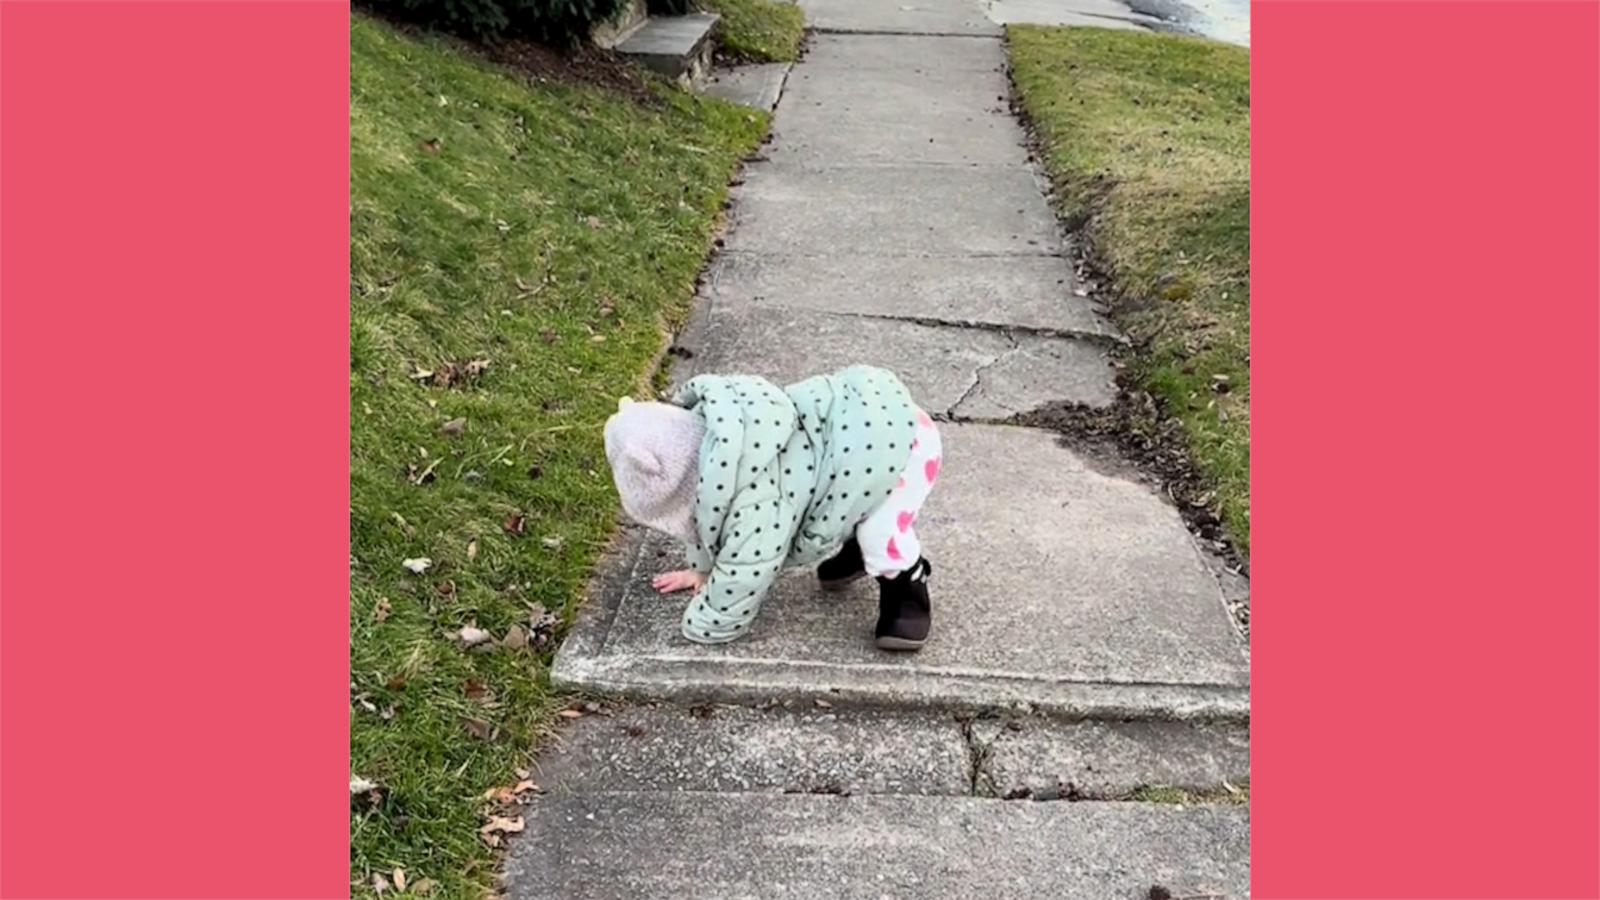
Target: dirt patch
(584, 65)
(1133, 437)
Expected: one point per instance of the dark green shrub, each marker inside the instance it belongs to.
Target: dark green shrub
(552, 21)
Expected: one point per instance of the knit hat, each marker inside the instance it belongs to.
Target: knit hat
(654, 451)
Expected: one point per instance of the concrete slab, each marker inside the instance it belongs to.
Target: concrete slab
(1033, 370)
(757, 86)
(1031, 292)
(623, 845)
(974, 373)
(1109, 760)
(865, 53)
(734, 749)
(953, 17)
(1066, 12)
(893, 211)
(1055, 586)
(897, 116)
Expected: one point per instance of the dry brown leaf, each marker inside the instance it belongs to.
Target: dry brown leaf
(423, 887)
(380, 884)
(823, 704)
(382, 610)
(523, 773)
(454, 426)
(472, 634)
(399, 879)
(594, 222)
(515, 523)
(475, 690)
(431, 146)
(515, 638)
(571, 714)
(553, 542)
(478, 728)
(548, 336)
(525, 786)
(498, 825)
(472, 549)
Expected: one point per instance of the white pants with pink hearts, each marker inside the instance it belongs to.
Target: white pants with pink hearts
(888, 536)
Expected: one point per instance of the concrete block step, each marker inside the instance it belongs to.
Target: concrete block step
(676, 46)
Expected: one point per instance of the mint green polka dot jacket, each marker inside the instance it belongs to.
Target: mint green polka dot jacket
(785, 477)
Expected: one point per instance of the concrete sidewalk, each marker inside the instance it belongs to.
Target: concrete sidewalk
(1081, 650)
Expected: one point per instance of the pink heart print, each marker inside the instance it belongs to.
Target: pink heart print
(893, 551)
(931, 469)
(904, 520)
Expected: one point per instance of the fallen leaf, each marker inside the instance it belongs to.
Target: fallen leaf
(396, 683)
(536, 471)
(515, 638)
(598, 339)
(417, 566)
(359, 785)
(423, 887)
(422, 374)
(823, 704)
(380, 884)
(399, 879)
(471, 634)
(503, 824)
(477, 367)
(445, 588)
(475, 690)
(454, 426)
(472, 549)
(431, 145)
(594, 221)
(553, 542)
(525, 786)
(571, 714)
(382, 609)
(515, 523)
(523, 773)
(548, 336)
(478, 728)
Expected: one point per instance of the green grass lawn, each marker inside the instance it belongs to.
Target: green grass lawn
(759, 30)
(1147, 138)
(518, 250)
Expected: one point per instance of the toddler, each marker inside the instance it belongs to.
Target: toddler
(753, 479)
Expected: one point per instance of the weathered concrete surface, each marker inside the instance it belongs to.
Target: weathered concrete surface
(1085, 13)
(897, 116)
(868, 54)
(1032, 292)
(1108, 760)
(624, 845)
(892, 210)
(963, 372)
(734, 749)
(945, 17)
(1053, 586)
(757, 86)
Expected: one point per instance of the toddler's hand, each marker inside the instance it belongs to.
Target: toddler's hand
(682, 580)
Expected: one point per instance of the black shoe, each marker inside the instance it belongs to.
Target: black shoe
(904, 611)
(844, 569)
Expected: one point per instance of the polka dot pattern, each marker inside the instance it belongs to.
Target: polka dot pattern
(785, 477)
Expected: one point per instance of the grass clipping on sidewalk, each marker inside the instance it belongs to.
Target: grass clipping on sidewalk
(518, 250)
(1147, 138)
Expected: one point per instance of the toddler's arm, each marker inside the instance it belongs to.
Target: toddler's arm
(745, 567)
